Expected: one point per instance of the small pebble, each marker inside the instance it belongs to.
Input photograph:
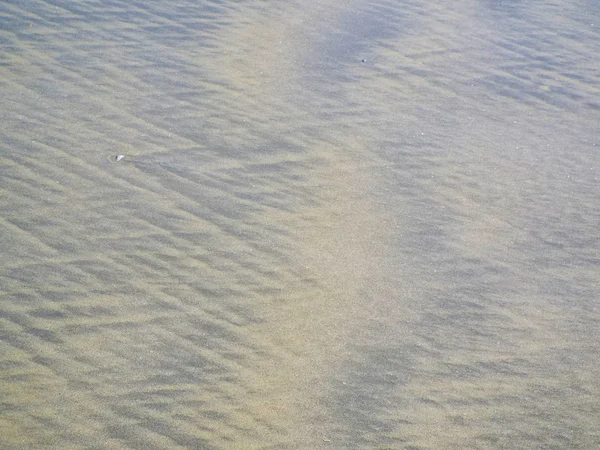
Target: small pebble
(118, 158)
(364, 60)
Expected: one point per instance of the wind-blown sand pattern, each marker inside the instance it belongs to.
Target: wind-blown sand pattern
(335, 225)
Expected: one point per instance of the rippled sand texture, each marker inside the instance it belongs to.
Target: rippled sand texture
(300, 249)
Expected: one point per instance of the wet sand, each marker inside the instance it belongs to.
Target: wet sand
(335, 225)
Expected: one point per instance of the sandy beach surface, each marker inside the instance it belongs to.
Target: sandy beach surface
(299, 225)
